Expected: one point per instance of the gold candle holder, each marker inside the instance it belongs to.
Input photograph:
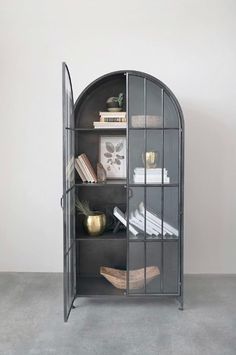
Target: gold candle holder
(151, 159)
(95, 224)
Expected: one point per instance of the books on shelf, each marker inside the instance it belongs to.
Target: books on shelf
(109, 125)
(120, 215)
(111, 120)
(153, 218)
(112, 116)
(85, 169)
(153, 224)
(153, 175)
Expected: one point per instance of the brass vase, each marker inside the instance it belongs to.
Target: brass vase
(95, 224)
(151, 159)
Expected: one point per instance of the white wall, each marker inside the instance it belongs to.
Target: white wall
(189, 45)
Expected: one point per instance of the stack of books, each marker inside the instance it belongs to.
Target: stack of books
(153, 176)
(111, 120)
(154, 225)
(85, 169)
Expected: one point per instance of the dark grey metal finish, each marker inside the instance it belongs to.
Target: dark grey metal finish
(91, 253)
(69, 261)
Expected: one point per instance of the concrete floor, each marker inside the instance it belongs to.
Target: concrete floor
(31, 320)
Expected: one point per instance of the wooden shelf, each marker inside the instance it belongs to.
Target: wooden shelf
(105, 236)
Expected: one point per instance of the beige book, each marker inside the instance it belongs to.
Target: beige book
(90, 168)
(79, 170)
(85, 169)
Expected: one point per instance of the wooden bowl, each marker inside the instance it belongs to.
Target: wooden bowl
(136, 277)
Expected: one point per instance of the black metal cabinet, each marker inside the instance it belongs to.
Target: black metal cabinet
(159, 244)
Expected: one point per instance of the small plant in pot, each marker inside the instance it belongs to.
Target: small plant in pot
(94, 222)
(114, 103)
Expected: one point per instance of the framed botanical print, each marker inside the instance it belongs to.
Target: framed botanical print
(113, 156)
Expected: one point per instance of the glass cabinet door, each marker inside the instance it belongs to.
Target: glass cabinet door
(153, 180)
(68, 198)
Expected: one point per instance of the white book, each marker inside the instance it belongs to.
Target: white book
(150, 170)
(154, 217)
(103, 125)
(133, 220)
(151, 216)
(149, 224)
(117, 114)
(149, 180)
(120, 215)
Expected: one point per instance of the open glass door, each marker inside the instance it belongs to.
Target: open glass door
(68, 198)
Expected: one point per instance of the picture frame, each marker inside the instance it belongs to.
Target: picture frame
(112, 155)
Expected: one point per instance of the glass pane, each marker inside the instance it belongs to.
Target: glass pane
(69, 280)
(136, 152)
(68, 122)
(136, 267)
(136, 102)
(153, 105)
(154, 156)
(68, 103)
(69, 159)
(136, 218)
(69, 219)
(170, 267)
(153, 262)
(171, 213)
(171, 155)
(153, 213)
(171, 117)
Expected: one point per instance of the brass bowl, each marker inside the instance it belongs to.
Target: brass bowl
(151, 159)
(95, 224)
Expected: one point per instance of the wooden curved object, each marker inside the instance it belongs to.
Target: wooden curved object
(136, 277)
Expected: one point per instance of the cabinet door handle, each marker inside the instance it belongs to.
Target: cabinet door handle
(130, 192)
(62, 201)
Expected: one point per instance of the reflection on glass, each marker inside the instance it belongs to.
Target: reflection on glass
(70, 278)
(153, 213)
(170, 267)
(171, 154)
(171, 118)
(171, 213)
(153, 259)
(153, 105)
(70, 219)
(136, 262)
(136, 219)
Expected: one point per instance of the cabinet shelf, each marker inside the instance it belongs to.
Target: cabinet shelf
(105, 236)
(153, 185)
(120, 182)
(97, 286)
(100, 130)
(154, 129)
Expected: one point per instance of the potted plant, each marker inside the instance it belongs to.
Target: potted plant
(94, 222)
(115, 103)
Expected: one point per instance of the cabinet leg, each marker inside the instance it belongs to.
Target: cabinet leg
(181, 303)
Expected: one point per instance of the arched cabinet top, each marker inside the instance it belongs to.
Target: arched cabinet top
(112, 84)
